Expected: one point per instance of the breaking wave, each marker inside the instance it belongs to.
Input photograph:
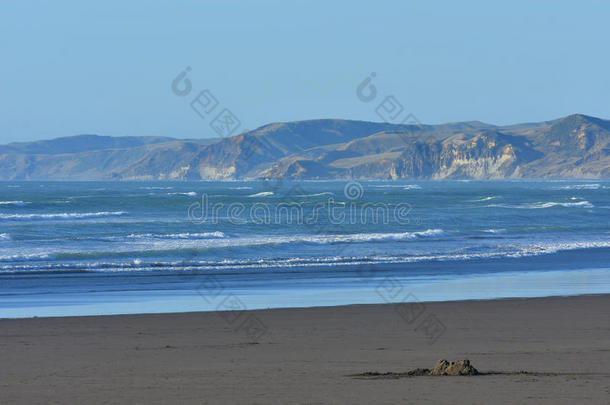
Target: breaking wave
(188, 193)
(484, 199)
(63, 215)
(316, 194)
(262, 194)
(593, 186)
(15, 203)
(540, 205)
(203, 235)
(140, 264)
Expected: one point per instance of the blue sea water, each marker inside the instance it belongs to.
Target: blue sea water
(85, 248)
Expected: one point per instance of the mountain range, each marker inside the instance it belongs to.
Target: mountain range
(576, 146)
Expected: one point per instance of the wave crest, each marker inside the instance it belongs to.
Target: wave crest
(186, 193)
(484, 199)
(15, 203)
(203, 235)
(541, 205)
(62, 215)
(262, 194)
(593, 186)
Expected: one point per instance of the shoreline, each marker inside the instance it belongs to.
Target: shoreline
(181, 293)
(316, 307)
(218, 357)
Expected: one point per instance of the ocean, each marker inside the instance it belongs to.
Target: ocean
(90, 248)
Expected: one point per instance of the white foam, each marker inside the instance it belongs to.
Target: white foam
(395, 185)
(137, 264)
(189, 193)
(484, 199)
(262, 194)
(16, 203)
(553, 247)
(368, 237)
(203, 235)
(63, 215)
(589, 186)
(25, 257)
(160, 244)
(5, 236)
(316, 194)
(541, 205)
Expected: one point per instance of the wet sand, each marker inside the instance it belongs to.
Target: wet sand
(309, 356)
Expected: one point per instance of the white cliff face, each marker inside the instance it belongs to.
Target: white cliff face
(179, 174)
(498, 164)
(216, 173)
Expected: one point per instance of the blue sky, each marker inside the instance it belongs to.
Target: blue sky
(107, 67)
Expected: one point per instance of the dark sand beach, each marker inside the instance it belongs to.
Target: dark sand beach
(310, 356)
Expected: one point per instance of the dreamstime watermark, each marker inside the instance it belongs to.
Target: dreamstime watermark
(225, 123)
(333, 212)
(205, 104)
(410, 309)
(405, 303)
(231, 308)
(391, 111)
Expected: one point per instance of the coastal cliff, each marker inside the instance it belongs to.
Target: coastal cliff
(577, 146)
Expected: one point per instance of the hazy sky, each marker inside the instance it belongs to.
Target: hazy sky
(107, 67)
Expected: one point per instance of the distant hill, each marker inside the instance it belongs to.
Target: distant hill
(577, 146)
(79, 143)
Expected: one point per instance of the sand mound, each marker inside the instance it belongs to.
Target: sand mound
(442, 368)
(460, 367)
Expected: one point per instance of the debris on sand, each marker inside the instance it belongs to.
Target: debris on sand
(418, 372)
(460, 367)
(442, 368)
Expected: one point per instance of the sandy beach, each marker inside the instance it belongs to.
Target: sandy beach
(310, 355)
